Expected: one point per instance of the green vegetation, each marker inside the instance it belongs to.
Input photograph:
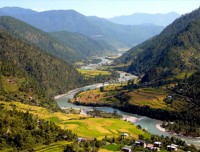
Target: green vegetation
(119, 36)
(112, 147)
(39, 70)
(41, 39)
(93, 73)
(185, 96)
(54, 147)
(148, 97)
(97, 113)
(84, 46)
(170, 54)
(83, 126)
(179, 103)
(24, 131)
(108, 95)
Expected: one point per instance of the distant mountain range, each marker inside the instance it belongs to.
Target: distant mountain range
(73, 49)
(144, 18)
(175, 50)
(96, 28)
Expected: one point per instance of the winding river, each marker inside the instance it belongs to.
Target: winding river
(149, 124)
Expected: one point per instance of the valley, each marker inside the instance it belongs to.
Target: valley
(78, 83)
(149, 124)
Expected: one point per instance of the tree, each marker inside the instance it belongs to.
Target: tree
(102, 88)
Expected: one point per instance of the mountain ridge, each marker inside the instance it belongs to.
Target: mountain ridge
(68, 52)
(72, 21)
(162, 19)
(171, 52)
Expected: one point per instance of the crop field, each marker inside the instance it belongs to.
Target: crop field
(112, 147)
(101, 127)
(152, 97)
(148, 97)
(94, 96)
(182, 75)
(54, 147)
(82, 125)
(11, 84)
(93, 73)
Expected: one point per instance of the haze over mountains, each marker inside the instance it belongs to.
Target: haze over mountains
(120, 36)
(144, 18)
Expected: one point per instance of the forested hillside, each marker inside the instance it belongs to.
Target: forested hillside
(174, 51)
(84, 46)
(96, 28)
(23, 131)
(31, 70)
(39, 38)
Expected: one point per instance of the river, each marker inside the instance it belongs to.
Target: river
(149, 124)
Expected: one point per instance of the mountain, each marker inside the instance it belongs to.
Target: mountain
(15, 11)
(83, 45)
(39, 38)
(75, 47)
(173, 51)
(30, 75)
(144, 18)
(94, 27)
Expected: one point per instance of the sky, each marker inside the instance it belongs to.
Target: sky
(107, 8)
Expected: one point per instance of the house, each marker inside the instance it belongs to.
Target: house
(80, 139)
(169, 97)
(126, 149)
(150, 146)
(157, 144)
(172, 147)
(30, 98)
(141, 143)
(125, 134)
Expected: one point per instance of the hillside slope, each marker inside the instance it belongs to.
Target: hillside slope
(84, 46)
(173, 51)
(94, 27)
(39, 38)
(22, 60)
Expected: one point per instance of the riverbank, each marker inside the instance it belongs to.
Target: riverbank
(158, 126)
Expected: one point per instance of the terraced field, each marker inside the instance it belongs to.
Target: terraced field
(54, 147)
(82, 125)
(148, 97)
(152, 97)
(93, 73)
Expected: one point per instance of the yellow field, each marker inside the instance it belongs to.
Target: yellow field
(93, 73)
(54, 147)
(94, 96)
(80, 124)
(152, 97)
(148, 97)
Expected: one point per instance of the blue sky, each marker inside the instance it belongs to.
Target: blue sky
(108, 8)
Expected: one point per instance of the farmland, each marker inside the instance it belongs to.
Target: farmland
(81, 124)
(152, 97)
(93, 73)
